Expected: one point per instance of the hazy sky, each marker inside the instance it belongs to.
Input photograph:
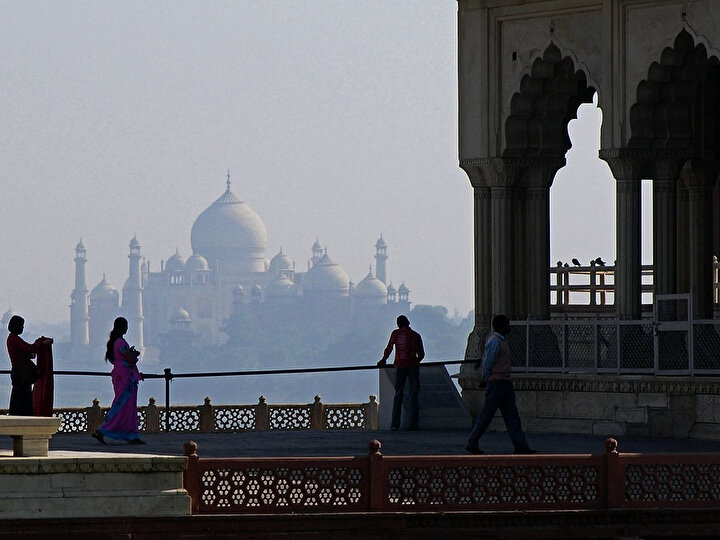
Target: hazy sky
(337, 120)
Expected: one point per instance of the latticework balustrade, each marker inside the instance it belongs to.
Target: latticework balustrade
(288, 485)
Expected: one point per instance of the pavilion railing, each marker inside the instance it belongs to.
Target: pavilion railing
(592, 287)
(376, 483)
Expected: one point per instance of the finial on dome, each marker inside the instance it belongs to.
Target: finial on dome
(228, 180)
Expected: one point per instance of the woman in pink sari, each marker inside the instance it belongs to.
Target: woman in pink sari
(121, 422)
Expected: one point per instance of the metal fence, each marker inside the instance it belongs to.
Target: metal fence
(615, 346)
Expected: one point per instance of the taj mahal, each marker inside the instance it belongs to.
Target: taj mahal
(189, 299)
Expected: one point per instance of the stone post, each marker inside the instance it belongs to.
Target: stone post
(207, 417)
(262, 415)
(372, 413)
(699, 184)
(95, 416)
(191, 476)
(376, 499)
(628, 276)
(152, 417)
(317, 418)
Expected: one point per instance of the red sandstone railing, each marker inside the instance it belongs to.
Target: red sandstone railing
(376, 483)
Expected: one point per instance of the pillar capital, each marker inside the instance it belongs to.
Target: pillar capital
(492, 172)
(700, 176)
(626, 166)
(665, 171)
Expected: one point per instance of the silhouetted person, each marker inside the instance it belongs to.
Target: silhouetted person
(409, 352)
(576, 262)
(24, 372)
(599, 261)
(500, 393)
(121, 422)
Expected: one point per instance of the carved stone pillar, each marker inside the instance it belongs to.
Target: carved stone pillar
(683, 220)
(483, 265)
(521, 246)
(483, 257)
(626, 170)
(665, 180)
(536, 262)
(699, 183)
(501, 203)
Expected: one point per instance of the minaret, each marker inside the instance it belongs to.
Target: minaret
(132, 297)
(317, 252)
(79, 307)
(380, 258)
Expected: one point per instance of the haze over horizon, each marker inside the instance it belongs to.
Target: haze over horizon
(336, 119)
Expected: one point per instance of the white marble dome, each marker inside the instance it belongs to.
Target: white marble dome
(197, 262)
(175, 263)
(372, 290)
(230, 230)
(180, 315)
(280, 262)
(327, 277)
(104, 292)
(280, 287)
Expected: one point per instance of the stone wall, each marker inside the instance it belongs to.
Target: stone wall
(631, 405)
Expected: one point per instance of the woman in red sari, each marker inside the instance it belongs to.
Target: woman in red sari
(23, 373)
(121, 422)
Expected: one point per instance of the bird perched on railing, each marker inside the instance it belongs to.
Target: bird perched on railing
(599, 261)
(576, 262)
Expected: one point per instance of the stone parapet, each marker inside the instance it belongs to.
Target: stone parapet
(68, 484)
(632, 405)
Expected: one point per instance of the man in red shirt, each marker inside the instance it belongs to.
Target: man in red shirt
(409, 352)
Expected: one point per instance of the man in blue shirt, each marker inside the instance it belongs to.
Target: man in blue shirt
(500, 392)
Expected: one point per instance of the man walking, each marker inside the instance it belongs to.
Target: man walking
(409, 352)
(500, 393)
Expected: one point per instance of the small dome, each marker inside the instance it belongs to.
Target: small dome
(80, 246)
(316, 246)
(282, 286)
(175, 263)
(380, 243)
(104, 292)
(280, 262)
(180, 315)
(371, 288)
(391, 289)
(197, 262)
(327, 277)
(6, 317)
(403, 289)
(134, 242)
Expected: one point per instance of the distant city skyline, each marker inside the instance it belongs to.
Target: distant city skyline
(336, 119)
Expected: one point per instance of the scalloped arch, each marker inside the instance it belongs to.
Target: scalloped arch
(678, 105)
(540, 112)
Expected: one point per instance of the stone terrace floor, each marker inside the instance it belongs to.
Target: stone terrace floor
(352, 443)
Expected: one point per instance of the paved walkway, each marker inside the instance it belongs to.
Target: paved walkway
(351, 443)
